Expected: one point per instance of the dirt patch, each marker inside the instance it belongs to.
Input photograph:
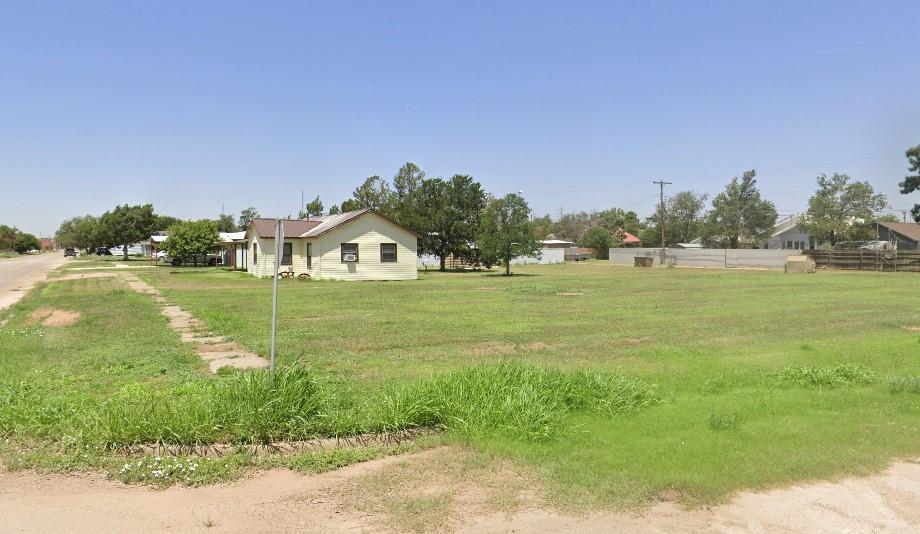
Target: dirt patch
(913, 328)
(536, 345)
(53, 317)
(84, 276)
(491, 348)
(444, 489)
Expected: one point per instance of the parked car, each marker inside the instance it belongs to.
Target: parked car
(70, 252)
(103, 251)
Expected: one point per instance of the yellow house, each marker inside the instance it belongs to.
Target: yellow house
(356, 245)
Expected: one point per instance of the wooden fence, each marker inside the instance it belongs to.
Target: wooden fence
(867, 260)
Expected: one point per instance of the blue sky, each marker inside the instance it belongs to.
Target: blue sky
(189, 105)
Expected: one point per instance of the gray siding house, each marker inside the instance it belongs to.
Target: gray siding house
(787, 234)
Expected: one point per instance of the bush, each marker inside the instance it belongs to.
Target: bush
(516, 400)
(842, 374)
(904, 384)
(513, 399)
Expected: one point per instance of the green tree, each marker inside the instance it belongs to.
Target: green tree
(406, 186)
(25, 242)
(191, 238)
(350, 204)
(505, 232)
(599, 239)
(79, 232)
(449, 213)
(841, 210)
(374, 193)
(225, 223)
(739, 215)
(128, 224)
(163, 222)
(335, 209)
(911, 183)
(685, 218)
(246, 216)
(542, 227)
(8, 236)
(312, 209)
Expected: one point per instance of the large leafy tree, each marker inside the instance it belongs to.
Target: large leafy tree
(191, 238)
(739, 215)
(25, 242)
(505, 232)
(246, 216)
(8, 236)
(684, 218)
(542, 227)
(449, 213)
(225, 223)
(406, 186)
(79, 232)
(599, 239)
(374, 193)
(840, 210)
(911, 183)
(128, 224)
(312, 209)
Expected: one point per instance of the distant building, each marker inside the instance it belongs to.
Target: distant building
(788, 234)
(47, 244)
(906, 236)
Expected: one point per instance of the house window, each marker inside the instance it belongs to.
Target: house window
(349, 252)
(388, 252)
(309, 255)
(255, 254)
(287, 251)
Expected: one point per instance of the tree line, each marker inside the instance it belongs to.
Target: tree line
(14, 239)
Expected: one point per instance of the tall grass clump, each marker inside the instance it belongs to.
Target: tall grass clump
(904, 384)
(513, 399)
(238, 408)
(840, 375)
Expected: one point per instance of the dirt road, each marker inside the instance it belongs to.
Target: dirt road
(283, 501)
(18, 275)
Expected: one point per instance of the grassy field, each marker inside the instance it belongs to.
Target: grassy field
(759, 378)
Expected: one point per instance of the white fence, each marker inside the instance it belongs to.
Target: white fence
(547, 256)
(707, 257)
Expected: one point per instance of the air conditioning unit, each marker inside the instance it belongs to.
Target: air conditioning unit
(351, 257)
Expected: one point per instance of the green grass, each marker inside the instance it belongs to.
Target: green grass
(613, 384)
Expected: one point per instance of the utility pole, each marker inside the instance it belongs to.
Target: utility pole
(661, 222)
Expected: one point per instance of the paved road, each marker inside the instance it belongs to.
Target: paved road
(18, 275)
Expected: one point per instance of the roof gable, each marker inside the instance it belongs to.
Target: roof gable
(331, 222)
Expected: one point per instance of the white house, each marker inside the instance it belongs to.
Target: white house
(787, 234)
(356, 245)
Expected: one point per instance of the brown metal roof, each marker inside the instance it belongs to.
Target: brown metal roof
(292, 227)
(908, 230)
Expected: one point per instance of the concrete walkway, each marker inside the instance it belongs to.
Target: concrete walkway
(216, 350)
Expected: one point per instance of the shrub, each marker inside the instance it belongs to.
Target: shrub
(724, 421)
(513, 399)
(842, 374)
(904, 384)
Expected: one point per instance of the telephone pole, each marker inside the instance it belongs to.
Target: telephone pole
(661, 222)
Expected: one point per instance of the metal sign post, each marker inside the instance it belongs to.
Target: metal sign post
(279, 250)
